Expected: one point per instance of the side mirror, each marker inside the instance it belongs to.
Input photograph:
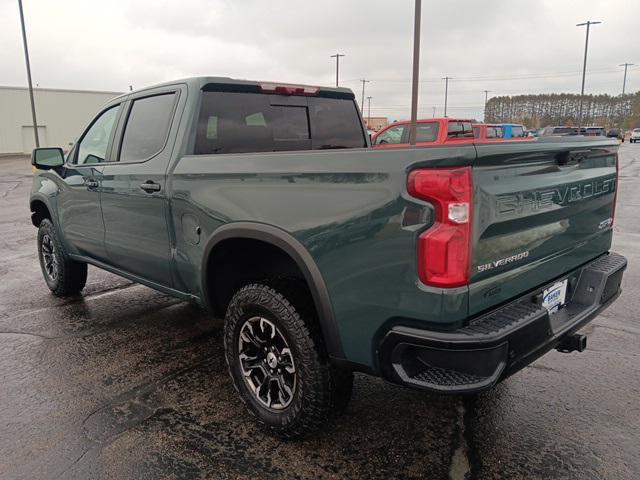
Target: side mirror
(47, 158)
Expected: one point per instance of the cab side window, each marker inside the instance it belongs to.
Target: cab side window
(93, 146)
(147, 127)
(517, 131)
(427, 132)
(392, 135)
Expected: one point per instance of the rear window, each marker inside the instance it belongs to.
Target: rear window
(238, 122)
(565, 131)
(460, 130)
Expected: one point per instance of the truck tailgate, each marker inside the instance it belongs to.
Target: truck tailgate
(541, 209)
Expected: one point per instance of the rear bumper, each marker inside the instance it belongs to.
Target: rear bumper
(501, 342)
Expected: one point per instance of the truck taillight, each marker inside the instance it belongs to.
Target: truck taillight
(444, 250)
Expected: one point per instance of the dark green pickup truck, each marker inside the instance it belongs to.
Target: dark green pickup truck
(443, 268)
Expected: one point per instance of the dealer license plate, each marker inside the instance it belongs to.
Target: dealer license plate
(554, 296)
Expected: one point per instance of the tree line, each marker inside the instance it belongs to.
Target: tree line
(543, 110)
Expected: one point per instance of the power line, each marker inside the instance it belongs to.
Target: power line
(624, 82)
(504, 77)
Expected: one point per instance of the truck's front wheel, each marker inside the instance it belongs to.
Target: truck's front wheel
(277, 360)
(63, 275)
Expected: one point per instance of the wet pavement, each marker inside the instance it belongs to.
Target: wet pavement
(124, 382)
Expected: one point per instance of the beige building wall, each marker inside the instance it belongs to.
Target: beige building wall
(376, 123)
(62, 115)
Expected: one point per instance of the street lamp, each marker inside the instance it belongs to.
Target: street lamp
(337, 56)
(416, 72)
(446, 93)
(584, 66)
(362, 103)
(26, 59)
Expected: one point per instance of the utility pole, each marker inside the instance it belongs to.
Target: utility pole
(486, 98)
(434, 112)
(624, 82)
(369, 112)
(26, 59)
(446, 93)
(337, 55)
(362, 103)
(416, 71)
(584, 67)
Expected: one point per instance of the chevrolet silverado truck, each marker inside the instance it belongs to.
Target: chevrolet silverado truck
(445, 268)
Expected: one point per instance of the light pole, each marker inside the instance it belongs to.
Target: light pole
(624, 82)
(446, 93)
(434, 112)
(362, 103)
(486, 98)
(26, 59)
(584, 66)
(416, 71)
(337, 55)
(369, 112)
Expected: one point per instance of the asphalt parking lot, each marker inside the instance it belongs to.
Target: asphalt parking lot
(124, 382)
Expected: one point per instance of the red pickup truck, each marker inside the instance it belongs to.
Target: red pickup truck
(432, 131)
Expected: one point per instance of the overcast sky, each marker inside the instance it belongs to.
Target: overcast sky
(509, 47)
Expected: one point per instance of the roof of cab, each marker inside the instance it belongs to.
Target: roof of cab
(430, 120)
(200, 82)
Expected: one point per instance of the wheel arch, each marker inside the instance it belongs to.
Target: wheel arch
(288, 244)
(40, 210)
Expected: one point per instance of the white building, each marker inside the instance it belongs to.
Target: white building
(62, 115)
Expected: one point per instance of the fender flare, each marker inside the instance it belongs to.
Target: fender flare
(40, 197)
(303, 259)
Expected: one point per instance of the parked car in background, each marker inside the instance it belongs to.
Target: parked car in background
(559, 130)
(432, 131)
(593, 131)
(513, 130)
(635, 135)
(616, 133)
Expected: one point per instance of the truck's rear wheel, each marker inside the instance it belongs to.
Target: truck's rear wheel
(63, 275)
(278, 362)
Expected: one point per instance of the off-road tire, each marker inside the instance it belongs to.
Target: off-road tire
(71, 276)
(321, 390)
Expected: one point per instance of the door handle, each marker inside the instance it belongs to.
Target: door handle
(150, 186)
(91, 184)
